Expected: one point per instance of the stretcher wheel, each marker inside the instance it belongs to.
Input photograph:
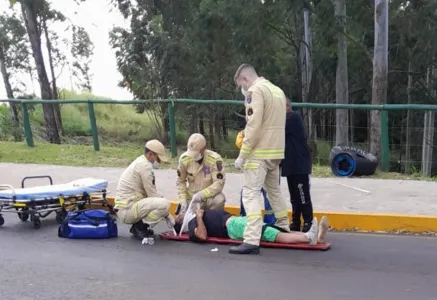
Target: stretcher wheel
(23, 216)
(36, 223)
(60, 217)
(2, 220)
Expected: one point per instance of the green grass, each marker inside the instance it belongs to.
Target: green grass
(82, 155)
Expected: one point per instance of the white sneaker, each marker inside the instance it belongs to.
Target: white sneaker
(323, 229)
(313, 233)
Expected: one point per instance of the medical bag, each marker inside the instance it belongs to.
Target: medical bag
(89, 224)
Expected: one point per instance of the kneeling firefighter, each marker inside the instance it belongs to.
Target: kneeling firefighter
(200, 176)
(137, 201)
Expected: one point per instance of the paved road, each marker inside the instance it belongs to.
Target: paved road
(36, 264)
(333, 194)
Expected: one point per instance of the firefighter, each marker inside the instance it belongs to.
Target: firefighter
(137, 201)
(261, 154)
(269, 217)
(200, 176)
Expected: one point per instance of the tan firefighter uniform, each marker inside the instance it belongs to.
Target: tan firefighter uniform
(263, 149)
(207, 176)
(136, 197)
(239, 144)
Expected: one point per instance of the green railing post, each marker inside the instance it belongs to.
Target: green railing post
(26, 124)
(172, 125)
(93, 123)
(385, 147)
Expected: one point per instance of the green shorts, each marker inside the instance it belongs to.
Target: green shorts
(237, 225)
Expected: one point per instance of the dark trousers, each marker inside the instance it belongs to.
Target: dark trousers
(300, 198)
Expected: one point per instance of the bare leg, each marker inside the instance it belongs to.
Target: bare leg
(323, 229)
(309, 237)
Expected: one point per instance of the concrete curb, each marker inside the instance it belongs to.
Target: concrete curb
(363, 222)
(357, 221)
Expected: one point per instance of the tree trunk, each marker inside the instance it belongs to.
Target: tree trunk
(9, 94)
(380, 73)
(224, 127)
(211, 131)
(341, 82)
(428, 126)
(308, 69)
(57, 107)
(409, 121)
(29, 15)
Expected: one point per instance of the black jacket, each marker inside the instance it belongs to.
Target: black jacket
(297, 160)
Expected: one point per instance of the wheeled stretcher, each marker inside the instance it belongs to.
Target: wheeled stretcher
(40, 201)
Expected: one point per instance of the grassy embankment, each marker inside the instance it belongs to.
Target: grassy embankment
(122, 133)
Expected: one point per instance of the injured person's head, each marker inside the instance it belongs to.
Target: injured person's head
(181, 221)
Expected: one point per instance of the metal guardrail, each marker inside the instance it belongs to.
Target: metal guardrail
(384, 108)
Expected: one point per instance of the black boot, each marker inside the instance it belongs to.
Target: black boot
(244, 249)
(306, 227)
(295, 226)
(141, 230)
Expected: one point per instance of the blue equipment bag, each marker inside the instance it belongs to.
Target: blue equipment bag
(88, 224)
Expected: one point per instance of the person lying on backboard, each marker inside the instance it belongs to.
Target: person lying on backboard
(220, 224)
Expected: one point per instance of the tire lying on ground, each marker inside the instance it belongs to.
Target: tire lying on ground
(348, 161)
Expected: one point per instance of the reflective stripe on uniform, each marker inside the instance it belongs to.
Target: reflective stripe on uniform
(153, 217)
(281, 214)
(251, 165)
(120, 204)
(254, 215)
(186, 160)
(206, 193)
(246, 149)
(268, 153)
(210, 160)
(268, 212)
(135, 210)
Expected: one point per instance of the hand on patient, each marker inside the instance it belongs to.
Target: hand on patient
(199, 213)
(197, 198)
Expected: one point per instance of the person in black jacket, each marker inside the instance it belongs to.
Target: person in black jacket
(296, 166)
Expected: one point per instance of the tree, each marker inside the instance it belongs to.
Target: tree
(380, 72)
(341, 82)
(48, 17)
(13, 59)
(29, 10)
(82, 51)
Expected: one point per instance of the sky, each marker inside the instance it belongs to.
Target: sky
(98, 18)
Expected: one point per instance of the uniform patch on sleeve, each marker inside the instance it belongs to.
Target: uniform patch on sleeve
(219, 165)
(249, 99)
(219, 176)
(206, 170)
(250, 111)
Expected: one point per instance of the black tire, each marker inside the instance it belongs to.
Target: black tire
(23, 216)
(349, 161)
(36, 223)
(2, 220)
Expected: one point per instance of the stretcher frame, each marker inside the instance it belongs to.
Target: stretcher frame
(170, 236)
(40, 208)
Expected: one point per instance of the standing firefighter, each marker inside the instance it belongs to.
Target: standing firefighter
(137, 201)
(261, 154)
(201, 176)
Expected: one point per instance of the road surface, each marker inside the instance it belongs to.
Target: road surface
(36, 264)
